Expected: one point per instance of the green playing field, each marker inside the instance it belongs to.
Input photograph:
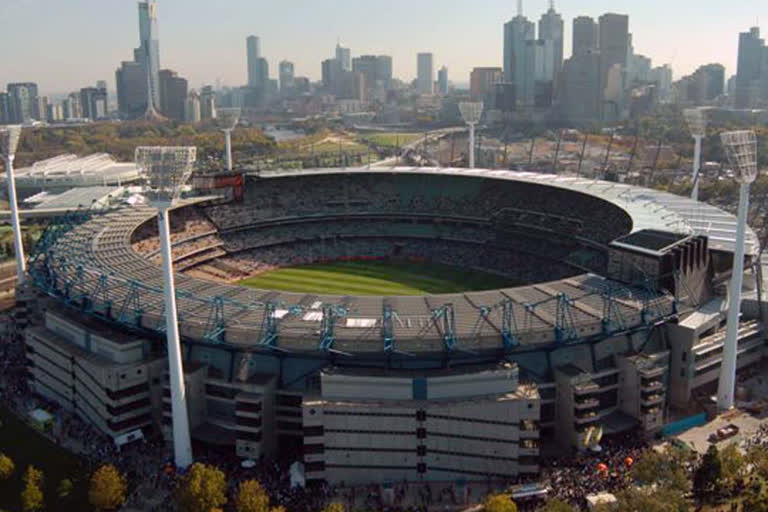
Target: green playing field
(376, 278)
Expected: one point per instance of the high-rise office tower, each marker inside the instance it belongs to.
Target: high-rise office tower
(5, 116)
(253, 49)
(331, 73)
(131, 83)
(551, 30)
(173, 94)
(22, 102)
(579, 95)
(614, 50)
(93, 102)
(752, 70)
(192, 108)
(384, 71)
(517, 33)
(585, 35)
(367, 65)
(442, 80)
(148, 53)
(425, 74)
(286, 76)
(344, 56)
(207, 103)
(482, 82)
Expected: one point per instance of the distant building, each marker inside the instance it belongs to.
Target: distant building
(344, 56)
(331, 74)
(286, 74)
(580, 98)
(22, 102)
(55, 113)
(705, 84)
(4, 112)
(70, 107)
(131, 89)
(253, 51)
(192, 108)
(425, 73)
(483, 80)
(207, 103)
(752, 70)
(93, 102)
(442, 80)
(517, 58)
(551, 31)
(173, 94)
(585, 35)
(148, 53)
(614, 50)
(662, 77)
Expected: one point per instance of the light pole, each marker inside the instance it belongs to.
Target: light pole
(165, 170)
(227, 119)
(471, 112)
(9, 140)
(697, 124)
(741, 149)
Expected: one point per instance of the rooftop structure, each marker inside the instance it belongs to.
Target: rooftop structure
(67, 171)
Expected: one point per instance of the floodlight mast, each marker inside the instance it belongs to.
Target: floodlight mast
(471, 112)
(741, 149)
(697, 124)
(165, 171)
(228, 119)
(9, 140)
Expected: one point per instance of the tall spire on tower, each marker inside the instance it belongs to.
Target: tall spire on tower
(551, 5)
(519, 7)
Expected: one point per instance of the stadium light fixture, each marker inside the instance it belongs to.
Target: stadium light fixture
(697, 125)
(227, 119)
(9, 141)
(165, 170)
(471, 112)
(741, 150)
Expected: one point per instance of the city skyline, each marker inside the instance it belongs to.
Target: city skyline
(199, 58)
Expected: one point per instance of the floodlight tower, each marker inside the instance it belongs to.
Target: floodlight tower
(227, 119)
(741, 149)
(697, 124)
(165, 170)
(471, 112)
(9, 140)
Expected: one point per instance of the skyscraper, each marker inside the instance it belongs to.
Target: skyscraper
(585, 35)
(286, 76)
(442, 80)
(22, 102)
(173, 94)
(517, 33)
(131, 83)
(344, 56)
(4, 112)
(551, 30)
(254, 54)
(482, 81)
(93, 102)
(425, 75)
(614, 50)
(752, 69)
(148, 53)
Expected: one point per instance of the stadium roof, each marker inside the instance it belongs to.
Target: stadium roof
(649, 209)
(78, 198)
(98, 169)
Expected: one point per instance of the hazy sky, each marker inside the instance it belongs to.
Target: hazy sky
(66, 44)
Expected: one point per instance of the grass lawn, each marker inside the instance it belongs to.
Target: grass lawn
(393, 139)
(375, 278)
(26, 446)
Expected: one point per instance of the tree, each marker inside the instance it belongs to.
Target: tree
(251, 497)
(708, 477)
(499, 503)
(335, 507)
(64, 489)
(757, 457)
(648, 499)
(556, 506)
(107, 488)
(734, 467)
(665, 469)
(7, 467)
(203, 488)
(756, 497)
(32, 494)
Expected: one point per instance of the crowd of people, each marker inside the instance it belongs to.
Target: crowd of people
(184, 223)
